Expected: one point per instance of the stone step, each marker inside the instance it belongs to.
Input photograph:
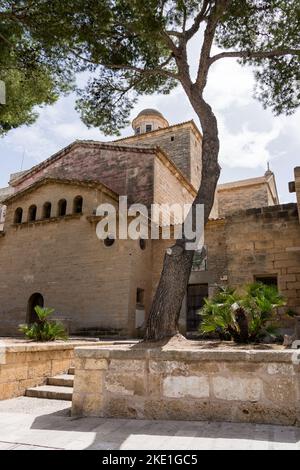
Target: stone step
(51, 392)
(71, 371)
(63, 380)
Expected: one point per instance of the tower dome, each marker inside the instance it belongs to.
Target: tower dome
(149, 120)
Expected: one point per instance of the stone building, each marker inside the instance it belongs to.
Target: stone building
(50, 254)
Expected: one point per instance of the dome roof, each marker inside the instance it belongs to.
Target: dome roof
(150, 112)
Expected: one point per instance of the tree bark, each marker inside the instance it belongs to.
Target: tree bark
(165, 311)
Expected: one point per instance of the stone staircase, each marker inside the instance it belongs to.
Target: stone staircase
(59, 387)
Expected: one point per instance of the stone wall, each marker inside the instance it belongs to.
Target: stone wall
(240, 385)
(91, 285)
(99, 291)
(28, 365)
(166, 188)
(261, 242)
(182, 143)
(234, 197)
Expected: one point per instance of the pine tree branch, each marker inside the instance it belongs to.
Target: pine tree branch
(126, 67)
(198, 20)
(177, 34)
(209, 35)
(254, 55)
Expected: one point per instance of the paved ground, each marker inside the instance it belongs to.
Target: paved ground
(35, 424)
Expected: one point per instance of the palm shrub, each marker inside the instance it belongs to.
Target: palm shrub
(245, 317)
(44, 329)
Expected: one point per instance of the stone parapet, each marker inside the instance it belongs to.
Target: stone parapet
(281, 211)
(223, 385)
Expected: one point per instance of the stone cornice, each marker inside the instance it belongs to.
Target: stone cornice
(141, 137)
(47, 221)
(41, 182)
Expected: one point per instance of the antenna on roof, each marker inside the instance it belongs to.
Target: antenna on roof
(22, 160)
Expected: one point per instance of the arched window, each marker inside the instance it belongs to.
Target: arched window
(62, 208)
(47, 210)
(32, 213)
(77, 205)
(18, 215)
(34, 300)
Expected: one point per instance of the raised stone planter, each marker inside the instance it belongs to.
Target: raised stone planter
(232, 385)
(27, 365)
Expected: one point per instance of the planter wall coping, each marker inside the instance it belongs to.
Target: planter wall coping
(231, 355)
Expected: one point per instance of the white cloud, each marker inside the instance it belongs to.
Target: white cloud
(248, 149)
(56, 127)
(229, 84)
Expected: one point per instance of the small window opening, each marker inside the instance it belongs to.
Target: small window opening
(62, 208)
(32, 213)
(47, 210)
(18, 216)
(78, 203)
(267, 280)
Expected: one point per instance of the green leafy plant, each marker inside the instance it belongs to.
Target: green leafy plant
(244, 317)
(44, 329)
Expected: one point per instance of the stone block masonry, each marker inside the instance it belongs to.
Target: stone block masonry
(28, 365)
(253, 244)
(220, 385)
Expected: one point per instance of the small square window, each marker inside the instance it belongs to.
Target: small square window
(172, 138)
(148, 127)
(138, 130)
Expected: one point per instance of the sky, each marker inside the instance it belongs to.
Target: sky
(250, 136)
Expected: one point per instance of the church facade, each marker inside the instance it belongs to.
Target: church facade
(50, 254)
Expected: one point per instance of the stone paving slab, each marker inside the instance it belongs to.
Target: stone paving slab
(39, 424)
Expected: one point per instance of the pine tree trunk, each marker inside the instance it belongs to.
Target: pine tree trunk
(165, 311)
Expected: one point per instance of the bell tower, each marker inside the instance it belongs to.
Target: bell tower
(149, 120)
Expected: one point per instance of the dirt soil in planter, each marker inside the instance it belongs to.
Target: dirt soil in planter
(180, 342)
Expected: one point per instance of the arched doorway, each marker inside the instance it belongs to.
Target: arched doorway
(35, 299)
